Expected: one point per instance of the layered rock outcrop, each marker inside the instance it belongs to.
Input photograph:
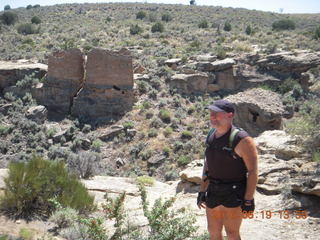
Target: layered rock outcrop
(189, 83)
(206, 77)
(290, 64)
(12, 72)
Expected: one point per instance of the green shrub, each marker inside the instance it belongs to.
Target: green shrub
(26, 234)
(165, 115)
(4, 129)
(135, 29)
(220, 52)
(7, 7)
(108, 19)
(35, 20)
(114, 208)
(9, 18)
(27, 82)
(156, 123)
(36, 6)
(286, 86)
(227, 27)
(51, 132)
(96, 145)
(95, 229)
(64, 217)
(149, 114)
(166, 17)
(166, 223)
(153, 132)
(203, 24)
(183, 160)
(28, 28)
(186, 135)
(128, 125)
(31, 186)
(141, 15)
(157, 27)
(145, 180)
(84, 164)
(248, 30)
(306, 125)
(143, 86)
(317, 33)
(152, 17)
(283, 24)
(177, 146)
(29, 7)
(195, 44)
(316, 156)
(166, 151)
(146, 104)
(167, 131)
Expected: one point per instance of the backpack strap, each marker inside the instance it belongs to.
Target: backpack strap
(209, 134)
(231, 146)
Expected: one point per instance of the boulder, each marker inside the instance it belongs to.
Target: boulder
(189, 83)
(173, 63)
(279, 143)
(13, 71)
(109, 133)
(205, 58)
(144, 77)
(108, 90)
(257, 110)
(289, 64)
(308, 180)
(156, 159)
(37, 113)
(216, 66)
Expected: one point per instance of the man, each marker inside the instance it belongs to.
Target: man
(229, 174)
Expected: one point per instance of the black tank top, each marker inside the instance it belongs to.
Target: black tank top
(220, 163)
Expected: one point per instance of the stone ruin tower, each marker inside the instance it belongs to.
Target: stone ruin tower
(95, 88)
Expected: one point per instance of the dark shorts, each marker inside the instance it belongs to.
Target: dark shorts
(229, 195)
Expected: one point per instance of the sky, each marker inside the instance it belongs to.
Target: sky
(287, 6)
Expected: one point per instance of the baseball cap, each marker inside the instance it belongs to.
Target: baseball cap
(222, 106)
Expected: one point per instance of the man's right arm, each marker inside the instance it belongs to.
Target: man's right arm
(203, 186)
(205, 178)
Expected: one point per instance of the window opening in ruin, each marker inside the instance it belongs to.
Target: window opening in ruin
(254, 115)
(116, 88)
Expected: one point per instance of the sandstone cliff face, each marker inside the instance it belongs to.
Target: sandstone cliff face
(107, 92)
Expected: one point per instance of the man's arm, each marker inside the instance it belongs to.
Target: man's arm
(204, 180)
(203, 186)
(247, 150)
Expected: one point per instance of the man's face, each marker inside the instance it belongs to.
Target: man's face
(218, 119)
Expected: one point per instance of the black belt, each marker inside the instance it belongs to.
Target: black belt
(226, 181)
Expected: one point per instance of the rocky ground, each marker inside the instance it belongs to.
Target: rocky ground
(275, 194)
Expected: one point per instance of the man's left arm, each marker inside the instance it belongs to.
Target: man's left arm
(247, 150)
